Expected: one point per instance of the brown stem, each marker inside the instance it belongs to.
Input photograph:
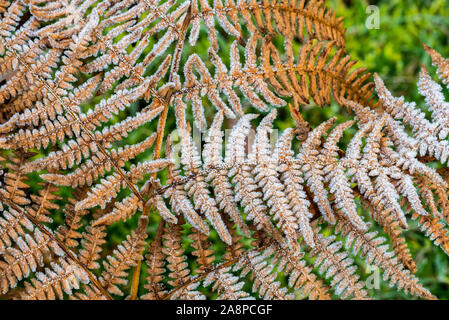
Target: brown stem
(82, 125)
(67, 251)
(206, 273)
(159, 140)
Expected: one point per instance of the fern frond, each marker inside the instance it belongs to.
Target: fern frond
(14, 186)
(27, 257)
(74, 151)
(375, 251)
(315, 74)
(104, 191)
(13, 224)
(175, 256)
(264, 278)
(293, 181)
(226, 285)
(430, 144)
(435, 230)
(335, 264)
(202, 251)
(62, 278)
(300, 275)
(124, 257)
(223, 192)
(81, 82)
(92, 242)
(155, 266)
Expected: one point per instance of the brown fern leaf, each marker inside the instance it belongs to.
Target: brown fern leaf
(300, 274)
(125, 256)
(27, 257)
(92, 242)
(81, 82)
(336, 264)
(155, 266)
(315, 74)
(203, 253)
(253, 262)
(14, 186)
(62, 278)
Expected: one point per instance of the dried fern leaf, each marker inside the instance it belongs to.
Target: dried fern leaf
(62, 278)
(124, 257)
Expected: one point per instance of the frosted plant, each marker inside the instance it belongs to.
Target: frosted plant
(88, 92)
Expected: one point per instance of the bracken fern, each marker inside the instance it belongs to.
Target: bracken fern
(249, 216)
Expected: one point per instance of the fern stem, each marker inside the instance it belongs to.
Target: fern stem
(274, 238)
(67, 251)
(83, 126)
(206, 273)
(159, 140)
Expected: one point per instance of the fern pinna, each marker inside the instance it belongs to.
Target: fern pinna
(90, 92)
